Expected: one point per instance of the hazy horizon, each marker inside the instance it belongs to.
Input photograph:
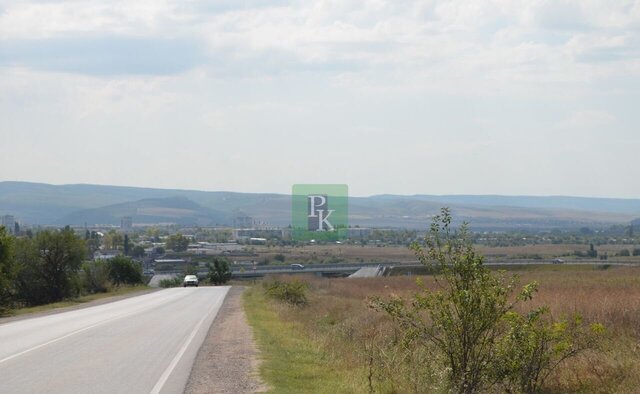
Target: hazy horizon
(465, 97)
(350, 195)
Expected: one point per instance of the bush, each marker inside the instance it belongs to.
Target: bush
(534, 346)
(293, 292)
(174, 282)
(471, 322)
(279, 257)
(122, 270)
(219, 272)
(636, 251)
(95, 277)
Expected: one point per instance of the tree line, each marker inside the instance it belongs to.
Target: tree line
(53, 265)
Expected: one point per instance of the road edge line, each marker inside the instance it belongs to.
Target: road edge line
(172, 365)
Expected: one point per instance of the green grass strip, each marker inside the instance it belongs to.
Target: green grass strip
(291, 361)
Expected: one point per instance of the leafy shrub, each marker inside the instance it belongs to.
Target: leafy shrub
(279, 257)
(219, 272)
(534, 346)
(174, 282)
(95, 277)
(291, 292)
(471, 322)
(123, 270)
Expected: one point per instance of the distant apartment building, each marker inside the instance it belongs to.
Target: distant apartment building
(126, 223)
(9, 223)
(243, 221)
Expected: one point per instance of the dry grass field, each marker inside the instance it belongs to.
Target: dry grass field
(373, 253)
(344, 329)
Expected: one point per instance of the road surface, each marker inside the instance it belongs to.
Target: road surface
(143, 344)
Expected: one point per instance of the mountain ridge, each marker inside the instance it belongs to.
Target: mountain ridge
(40, 203)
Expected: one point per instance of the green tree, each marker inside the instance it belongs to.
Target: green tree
(92, 242)
(219, 272)
(177, 242)
(127, 245)
(190, 269)
(8, 269)
(122, 270)
(137, 252)
(95, 276)
(48, 266)
(112, 240)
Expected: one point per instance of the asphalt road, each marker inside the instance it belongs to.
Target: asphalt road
(143, 344)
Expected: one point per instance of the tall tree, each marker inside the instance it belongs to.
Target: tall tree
(137, 252)
(49, 264)
(127, 245)
(123, 270)
(177, 242)
(8, 269)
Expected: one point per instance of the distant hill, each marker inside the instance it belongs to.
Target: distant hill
(36, 203)
(178, 210)
(614, 205)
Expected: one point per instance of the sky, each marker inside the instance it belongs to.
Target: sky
(531, 97)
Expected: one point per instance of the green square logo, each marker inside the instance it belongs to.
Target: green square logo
(319, 212)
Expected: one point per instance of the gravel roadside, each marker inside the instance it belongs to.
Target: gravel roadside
(227, 361)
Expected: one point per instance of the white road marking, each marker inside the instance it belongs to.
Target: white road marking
(167, 372)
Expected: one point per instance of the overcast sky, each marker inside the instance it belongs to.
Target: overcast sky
(438, 97)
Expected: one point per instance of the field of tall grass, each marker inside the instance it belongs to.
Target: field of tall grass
(399, 253)
(347, 332)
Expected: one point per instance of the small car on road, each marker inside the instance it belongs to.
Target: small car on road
(190, 280)
(297, 266)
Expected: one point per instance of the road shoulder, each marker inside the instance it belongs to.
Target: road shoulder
(227, 361)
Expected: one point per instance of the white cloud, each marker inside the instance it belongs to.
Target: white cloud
(233, 85)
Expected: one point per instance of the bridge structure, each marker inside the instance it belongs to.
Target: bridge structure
(401, 268)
